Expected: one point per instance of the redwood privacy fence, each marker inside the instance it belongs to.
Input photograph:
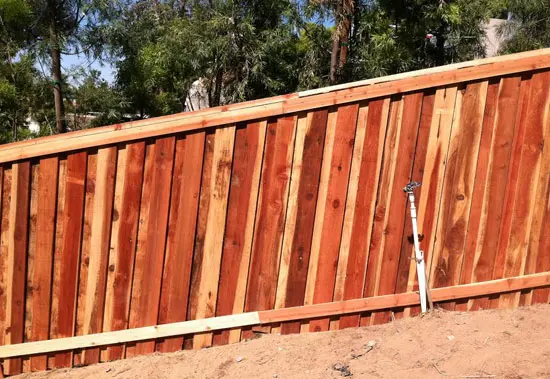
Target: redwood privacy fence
(279, 203)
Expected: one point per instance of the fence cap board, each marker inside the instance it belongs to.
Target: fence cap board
(284, 104)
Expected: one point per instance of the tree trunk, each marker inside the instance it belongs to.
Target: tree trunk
(336, 42)
(56, 72)
(344, 33)
(216, 97)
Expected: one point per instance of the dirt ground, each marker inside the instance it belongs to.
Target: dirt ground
(509, 344)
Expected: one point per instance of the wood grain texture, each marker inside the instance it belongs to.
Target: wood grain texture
(122, 254)
(458, 186)
(239, 228)
(202, 218)
(333, 215)
(181, 234)
(406, 276)
(477, 216)
(308, 154)
(69, 256)
(296, 210)
(369, 163)
(270, 216)
(17, 261)
(153, 221)
(215, 227)
(530, 154)
(42, 273)
(99, 247)
(31, 257)
(58, 247)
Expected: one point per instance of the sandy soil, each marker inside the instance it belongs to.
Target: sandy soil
(509, 344)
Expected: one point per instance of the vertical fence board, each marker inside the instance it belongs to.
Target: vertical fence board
(42, 273)
(70, 250)
(478, 216)
(270, 217)
(528, 180)
(58, 247)
(86, 249)
(215, 227)
(351, 199)
(365, 201)
(301, 211)
(94, 299)
(181, 234)
(406, 276)
(420, 119)
(241, 214)
(333, 216)
(118, 300)
(31, 257)
(381, 215)
(151, 240)
(17, 261)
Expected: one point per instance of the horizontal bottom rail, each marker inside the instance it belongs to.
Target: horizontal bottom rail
(275, 315)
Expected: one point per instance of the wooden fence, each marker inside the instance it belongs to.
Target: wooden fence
(284, 202)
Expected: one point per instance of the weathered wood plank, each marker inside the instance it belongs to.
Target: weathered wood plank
(241, 215)
(69, 254)
(181, 234)
(149, 259)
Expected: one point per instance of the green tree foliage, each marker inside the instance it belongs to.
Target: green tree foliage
(528, 27)
(233, 50)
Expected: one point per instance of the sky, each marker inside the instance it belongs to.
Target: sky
(107, 71)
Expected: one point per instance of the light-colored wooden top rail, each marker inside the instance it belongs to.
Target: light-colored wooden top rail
(291, 103)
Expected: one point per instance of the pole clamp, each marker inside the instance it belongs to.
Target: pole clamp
(411, 186)
(421, 259)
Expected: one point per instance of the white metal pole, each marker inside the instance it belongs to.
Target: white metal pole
(419, 254)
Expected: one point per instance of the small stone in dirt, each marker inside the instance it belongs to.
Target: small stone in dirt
(372, 343)
(275, 376)
(239, 359)
(343, 369)
(450, 338)
(281, 348)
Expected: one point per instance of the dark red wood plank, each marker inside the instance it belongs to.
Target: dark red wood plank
(181, 235)
(70, 250)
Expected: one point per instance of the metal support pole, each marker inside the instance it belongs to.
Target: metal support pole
(419, 254)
